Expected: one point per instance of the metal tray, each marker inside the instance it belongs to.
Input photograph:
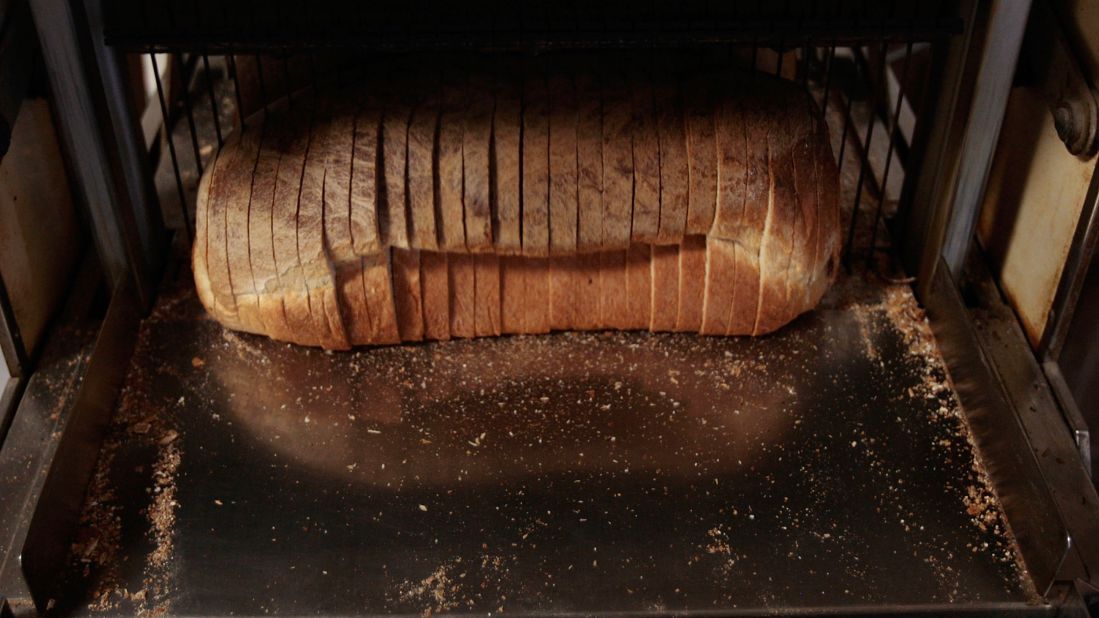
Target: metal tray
(827, 467)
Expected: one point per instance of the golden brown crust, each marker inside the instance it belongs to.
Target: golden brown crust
(639, 301)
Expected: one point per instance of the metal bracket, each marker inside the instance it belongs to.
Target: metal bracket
(1070, 98)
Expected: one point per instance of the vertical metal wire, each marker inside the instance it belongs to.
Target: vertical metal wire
(827, 80)
(171, 148)
(865, 158)
(236, 87)
(889, 156)
(185, 81)
(213, 101)
(846, 125)
(262, 84)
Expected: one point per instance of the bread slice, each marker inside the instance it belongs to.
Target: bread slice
(365, 172)
(535, 204)
(451, 218)
(317, 269)
(562, 292)
(505, 164)
(435, 282)
(692, 284)
(613, 304)
(512, 294)
(200, 268)
(536, 289)
(261, 248)
(476, 144)
(646, 161)
(701, 154)
(617, 163)
(395, 122)
(563, 187)
(639, 301)
(732, 149)
(754, 219)
(378, 280)
(237, 238)
(486, 283)
(674, 164)
(338, 144)
(407, 294)
(462, 295)
(586, 302)
(720, 286)
(778, 234)
(803, 264)
(228, 165)
(589, 159)
(284, 227)
(421, 164)
(664, 269)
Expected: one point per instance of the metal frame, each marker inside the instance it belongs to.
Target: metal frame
(1028, 449)
(102, 142)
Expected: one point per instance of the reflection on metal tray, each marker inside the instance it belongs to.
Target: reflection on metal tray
(825, 466)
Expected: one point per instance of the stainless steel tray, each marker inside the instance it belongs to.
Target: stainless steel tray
(825, 467)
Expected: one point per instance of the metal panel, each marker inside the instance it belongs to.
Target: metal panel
(1006, 25)
(1028, 451)
(100, 139)
(53, 446)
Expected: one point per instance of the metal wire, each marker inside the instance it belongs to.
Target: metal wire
(889, 156)
(187, 225)
(236, 87)
(213, 100)
(865, 161)
(186, 98)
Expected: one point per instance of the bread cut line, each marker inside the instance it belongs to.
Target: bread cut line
(520, 199)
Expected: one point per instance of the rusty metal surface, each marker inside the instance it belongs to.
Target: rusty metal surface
(827, 466)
